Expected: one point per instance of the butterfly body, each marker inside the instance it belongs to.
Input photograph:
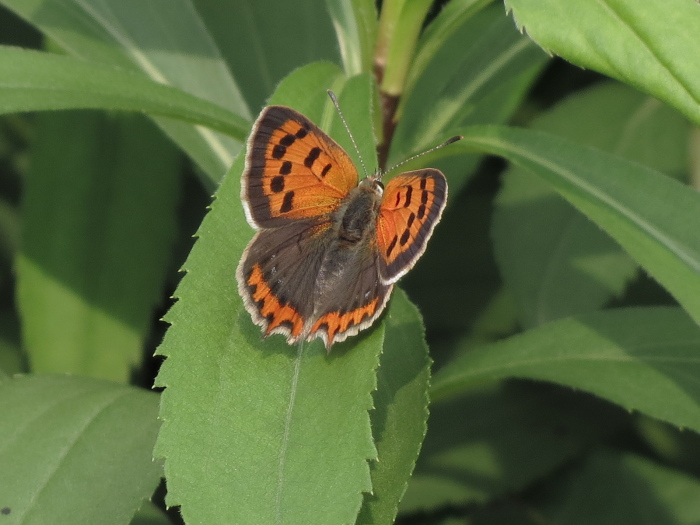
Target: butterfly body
(328, 249)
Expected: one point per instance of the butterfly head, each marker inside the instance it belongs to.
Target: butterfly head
(373, 184)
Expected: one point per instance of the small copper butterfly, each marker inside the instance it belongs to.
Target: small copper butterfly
(328, 249)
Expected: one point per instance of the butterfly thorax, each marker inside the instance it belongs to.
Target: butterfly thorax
(356, 217)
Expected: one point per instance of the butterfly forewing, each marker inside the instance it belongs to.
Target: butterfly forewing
(293, 170)
(411, 207)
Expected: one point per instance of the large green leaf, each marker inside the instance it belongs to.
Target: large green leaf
(268, 433)
(501, 438)
(554, 260)
(99, 222)
(75, 450)
(645, 359)
(483, 55)
(434, 37)
(400, 24)
(647, 48)
(650, 215)
(400, 411)
(33, 81)
(624, 489)
(12, 357)
(169, 43)
(355, 23)
(495, 69)
(263, 42)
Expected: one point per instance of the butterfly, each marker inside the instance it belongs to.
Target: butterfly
(329, 247)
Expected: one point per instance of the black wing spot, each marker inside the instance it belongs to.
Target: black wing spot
(287, 202)
(409, 191)
(421, 211)
(423, 182)
(404, 237)
(392, 245)
(288, 139)
(286, 168)
(411, 218)
(277, 184)
(312, 156)
(326, 169)
(279, 151)
(302, 133)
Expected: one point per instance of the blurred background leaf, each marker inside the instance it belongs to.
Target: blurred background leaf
(98, 229)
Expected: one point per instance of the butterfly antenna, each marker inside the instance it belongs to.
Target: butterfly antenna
(347, 128)
(409, 159)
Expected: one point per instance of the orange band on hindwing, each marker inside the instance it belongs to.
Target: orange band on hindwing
(269, 306)
(335, 322)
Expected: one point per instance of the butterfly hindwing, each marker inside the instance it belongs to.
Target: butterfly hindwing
(411, 207)
(349, 294)
(293, 170)
(277, 275)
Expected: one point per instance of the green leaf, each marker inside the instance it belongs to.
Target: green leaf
(268, 433)
(34, 81)
(650, 215)
(12, 358)
(625, 489)
(553, 260)
(75, 450)
(170, 45)
(357, 95)
(355, 23)
(480, 56)
(263, 42)
(400, 24)
(98, 228)
(501, 438)
(400, 412)
(434, 37)
(645, 48)
(307, 88)
(644, 359)
(149, 514)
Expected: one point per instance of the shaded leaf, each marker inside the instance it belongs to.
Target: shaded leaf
(170, 45)
(99, 222)
(501, 438)
(75, 450)
(483, 53)
(263, 41)
(355, 23)
(555, 261)
(400, 412)
(625, 489)
(34, 81)
(650, 215)
(645, 359)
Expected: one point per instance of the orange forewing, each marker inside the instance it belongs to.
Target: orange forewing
(411, 207)
(293, 170)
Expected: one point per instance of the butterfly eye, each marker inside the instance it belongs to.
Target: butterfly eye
(380, 185)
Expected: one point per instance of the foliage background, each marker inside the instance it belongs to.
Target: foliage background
(559, 296)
